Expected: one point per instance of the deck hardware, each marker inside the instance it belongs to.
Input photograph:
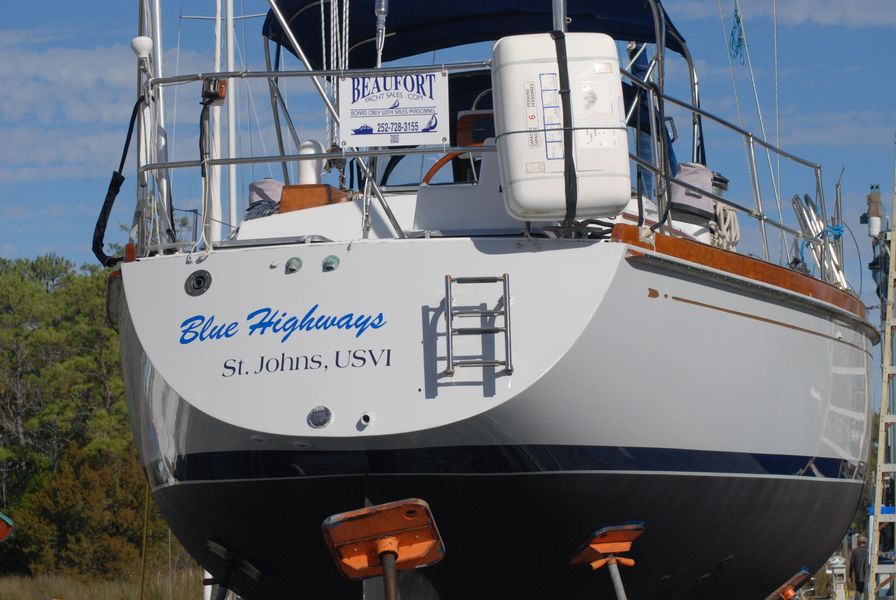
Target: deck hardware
(331, 263)
(320, 416)
(273, 264)
(293, 264)
(384, 539)
(198, 282)
(502, 309)
(365, 420)
(604, 547)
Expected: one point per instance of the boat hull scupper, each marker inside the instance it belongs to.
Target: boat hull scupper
(732, 419)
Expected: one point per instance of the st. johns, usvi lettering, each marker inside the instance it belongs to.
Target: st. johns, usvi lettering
(361, 358)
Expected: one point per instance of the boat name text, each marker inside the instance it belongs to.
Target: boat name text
(201, 328)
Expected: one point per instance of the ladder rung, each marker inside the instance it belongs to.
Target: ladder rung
(886, 569)
(890, 419)
(886, 518)
(469, 312)
(481, 363)
(476, 330)
(887, 468)
(477, 279)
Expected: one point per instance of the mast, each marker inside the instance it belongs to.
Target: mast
(231, 120)
(161, 132)
(157, 61)
(213, 219)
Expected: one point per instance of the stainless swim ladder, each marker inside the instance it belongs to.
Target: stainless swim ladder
(502, 309)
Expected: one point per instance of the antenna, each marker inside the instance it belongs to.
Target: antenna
(382, 9)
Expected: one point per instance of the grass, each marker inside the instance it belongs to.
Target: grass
(181, 585)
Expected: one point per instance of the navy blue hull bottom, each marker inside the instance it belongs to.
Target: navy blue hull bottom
(511, 536)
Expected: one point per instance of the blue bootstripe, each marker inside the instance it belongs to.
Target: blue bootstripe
(252, 464)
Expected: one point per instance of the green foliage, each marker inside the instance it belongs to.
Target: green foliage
(69, 476)
(164, 584)
(860, 519)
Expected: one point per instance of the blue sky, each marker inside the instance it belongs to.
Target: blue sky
(69, 84)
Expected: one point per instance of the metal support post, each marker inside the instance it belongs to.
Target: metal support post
(559, 15)
(757, 195)
(617, 580)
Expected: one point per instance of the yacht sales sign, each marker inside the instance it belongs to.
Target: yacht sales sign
(394, 110)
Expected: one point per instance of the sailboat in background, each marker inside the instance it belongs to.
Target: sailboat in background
(558, 338)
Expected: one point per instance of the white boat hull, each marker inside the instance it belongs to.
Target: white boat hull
(708, 408)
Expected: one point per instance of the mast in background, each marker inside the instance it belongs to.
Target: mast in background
(161, 130)
(213, 219)
(231, 121)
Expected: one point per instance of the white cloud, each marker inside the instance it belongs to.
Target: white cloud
(846, 128)
(10, 38)
(856, 13)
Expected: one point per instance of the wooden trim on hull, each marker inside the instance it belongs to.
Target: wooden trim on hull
(743, 266)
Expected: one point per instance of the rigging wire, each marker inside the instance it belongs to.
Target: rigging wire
(783, 248)
(180, 18)
(323, 65)
(343, 55)
(777, 89)
(244, 62)
(335, 44)
(859, 254)
(253, 109)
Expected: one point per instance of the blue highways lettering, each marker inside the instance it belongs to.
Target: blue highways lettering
(202, 328)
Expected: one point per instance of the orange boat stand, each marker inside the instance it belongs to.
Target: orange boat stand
(384, 539)
(604, 547)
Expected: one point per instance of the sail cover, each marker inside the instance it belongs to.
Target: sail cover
(418, 26)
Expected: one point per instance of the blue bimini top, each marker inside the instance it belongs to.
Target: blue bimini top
(418, 26)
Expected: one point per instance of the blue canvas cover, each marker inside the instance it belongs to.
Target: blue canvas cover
(418, 26)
